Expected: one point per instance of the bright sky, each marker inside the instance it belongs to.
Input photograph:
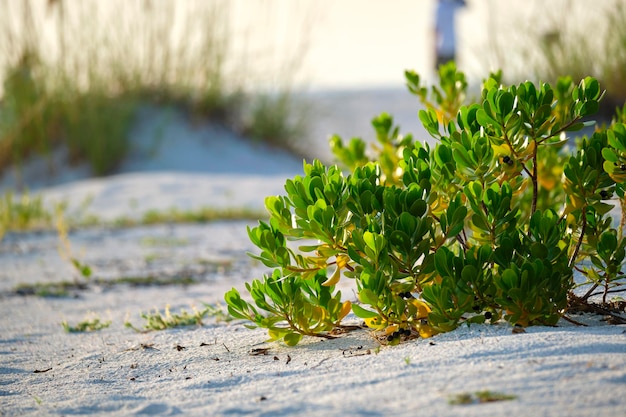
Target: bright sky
(356, 43)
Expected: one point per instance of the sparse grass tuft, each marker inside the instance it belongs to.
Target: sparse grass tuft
(26, 212)
(479, 397)
(65, 288)
(49, 289)
(151, 241)
(204, 214)
(87, 325)
(150, 280)
(168, 320)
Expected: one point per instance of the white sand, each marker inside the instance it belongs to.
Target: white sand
(210, 370)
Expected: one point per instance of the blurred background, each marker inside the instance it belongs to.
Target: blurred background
(75, 74)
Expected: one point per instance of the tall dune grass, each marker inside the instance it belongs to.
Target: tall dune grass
(74, 73)
(573, 39)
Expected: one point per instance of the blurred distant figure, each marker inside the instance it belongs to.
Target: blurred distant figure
(445, 36)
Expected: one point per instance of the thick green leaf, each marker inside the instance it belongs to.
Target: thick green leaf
(363, 313)
(367, 296)
(292, 339)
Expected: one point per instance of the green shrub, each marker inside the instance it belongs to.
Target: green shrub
(490, 222)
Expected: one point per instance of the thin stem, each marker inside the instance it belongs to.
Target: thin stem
(589, 293)
(533, 177)
(526, 170)
(608, 292)
(583, 229)
(622, 223)
(571, 320)
(401, 265)
(492, 228)
(561, 130)
(461, 241)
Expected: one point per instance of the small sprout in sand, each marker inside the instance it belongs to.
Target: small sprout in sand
(87, 325)
(22, 212)
(151, 280)
(156, 241)
(48, 289)
(65, 247)
(479, 397)
(83, 269)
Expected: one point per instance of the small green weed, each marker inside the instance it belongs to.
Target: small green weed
(168, 320)
(26, 212)
(152, 241)
(87, 325)
(479, 397)
(62, 288)
(204, 214)
(65, 288)
(49, 289)
(140, 281)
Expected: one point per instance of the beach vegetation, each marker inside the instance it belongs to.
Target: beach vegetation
(489, 223)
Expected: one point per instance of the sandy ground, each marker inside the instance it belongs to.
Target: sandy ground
(223, 368)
